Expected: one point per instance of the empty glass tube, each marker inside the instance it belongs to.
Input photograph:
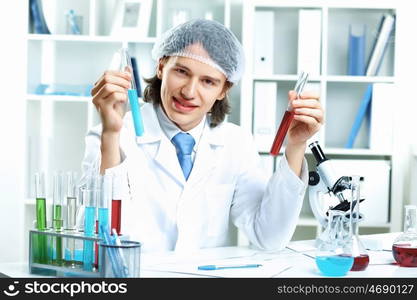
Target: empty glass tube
(71, 225)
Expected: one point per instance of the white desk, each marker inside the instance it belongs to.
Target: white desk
(297, 260)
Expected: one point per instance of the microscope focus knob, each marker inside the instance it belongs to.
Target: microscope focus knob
(313, 178)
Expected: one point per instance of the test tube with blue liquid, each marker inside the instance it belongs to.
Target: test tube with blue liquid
(103, 209)
(90, 202)
(57, 217)
(103, 205)
(122, 61)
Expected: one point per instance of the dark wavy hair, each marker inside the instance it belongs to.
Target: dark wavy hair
(218, 112)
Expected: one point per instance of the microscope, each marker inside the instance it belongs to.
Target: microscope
(327, 191)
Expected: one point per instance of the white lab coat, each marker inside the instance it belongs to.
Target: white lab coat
(227, 183)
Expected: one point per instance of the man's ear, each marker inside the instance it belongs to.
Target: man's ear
(160, 67)
(227, 86)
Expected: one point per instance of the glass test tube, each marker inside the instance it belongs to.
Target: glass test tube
(116, 206)
(41, 246)
(103, 205)
(71, 195)
(90, 201)
(126, 63)
(288, 117)
(57, 216)
(103, 209)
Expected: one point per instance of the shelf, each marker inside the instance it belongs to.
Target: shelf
(356, 4)
(58, 98)
(282, 77)
(381, 79)
(86, 38)
(365, 152)
(380, 225)
(331, 78)
(341, 151)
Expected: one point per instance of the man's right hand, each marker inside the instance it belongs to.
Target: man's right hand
(110, 96)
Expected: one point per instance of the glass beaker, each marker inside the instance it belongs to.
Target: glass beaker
(404, 248)
(361, 257)
(333, 257)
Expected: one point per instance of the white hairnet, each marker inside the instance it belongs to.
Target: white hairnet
(217, 46)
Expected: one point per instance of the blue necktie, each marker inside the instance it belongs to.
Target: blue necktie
(184, 143)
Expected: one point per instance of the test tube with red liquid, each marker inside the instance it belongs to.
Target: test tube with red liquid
(288, 116)
(116, 206)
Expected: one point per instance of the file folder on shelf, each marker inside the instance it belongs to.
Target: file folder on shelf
(264, 114)
(309, 41)
(380, 44)
(356, 53)
(263, 62)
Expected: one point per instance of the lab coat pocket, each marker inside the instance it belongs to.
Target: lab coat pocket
(219, 199)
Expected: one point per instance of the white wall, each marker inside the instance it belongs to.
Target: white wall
(12, 113)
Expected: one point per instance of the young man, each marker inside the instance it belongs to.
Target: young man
(191, 172)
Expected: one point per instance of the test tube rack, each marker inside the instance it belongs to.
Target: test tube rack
(46, 266)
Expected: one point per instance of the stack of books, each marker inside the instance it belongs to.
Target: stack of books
(379, 48)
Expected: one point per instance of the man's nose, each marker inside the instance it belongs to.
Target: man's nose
(189, 89)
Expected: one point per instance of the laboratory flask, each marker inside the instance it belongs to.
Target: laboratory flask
(333, 257)
(404, 248)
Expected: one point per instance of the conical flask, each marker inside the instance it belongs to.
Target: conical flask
(404, 248)
(333, 257)
(361, 257)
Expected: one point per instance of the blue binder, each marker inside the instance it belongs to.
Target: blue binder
(360, 116)
(136, 75)
(37, 18)
(356, 53)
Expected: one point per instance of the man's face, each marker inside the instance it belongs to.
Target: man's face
(189, 89)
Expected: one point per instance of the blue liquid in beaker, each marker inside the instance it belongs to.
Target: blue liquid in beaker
(334, 265)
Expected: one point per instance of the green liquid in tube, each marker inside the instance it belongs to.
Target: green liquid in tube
(41, 246)
(58, 224)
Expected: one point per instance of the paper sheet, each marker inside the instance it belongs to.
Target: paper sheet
(269, 268)
(273, 263)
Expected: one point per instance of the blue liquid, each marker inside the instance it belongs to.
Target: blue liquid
(336, 265)
(89, 221)
(103, 220)
(136, 115)
(76, 255)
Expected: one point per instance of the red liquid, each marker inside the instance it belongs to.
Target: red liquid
(405, 255)
(282, 132)
(360, 263)
(116, 215)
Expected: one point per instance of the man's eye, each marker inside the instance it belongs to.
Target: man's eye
(208, 82)
(180, 71)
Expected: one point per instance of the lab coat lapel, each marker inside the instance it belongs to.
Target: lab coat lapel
(167, 158)
(206, 157)
(157, 145)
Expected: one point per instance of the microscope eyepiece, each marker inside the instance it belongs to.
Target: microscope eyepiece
(317, 152)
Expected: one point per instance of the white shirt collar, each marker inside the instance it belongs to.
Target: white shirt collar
(170, 129)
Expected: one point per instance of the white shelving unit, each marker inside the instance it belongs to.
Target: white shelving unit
(340, 93)
(56, 124)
